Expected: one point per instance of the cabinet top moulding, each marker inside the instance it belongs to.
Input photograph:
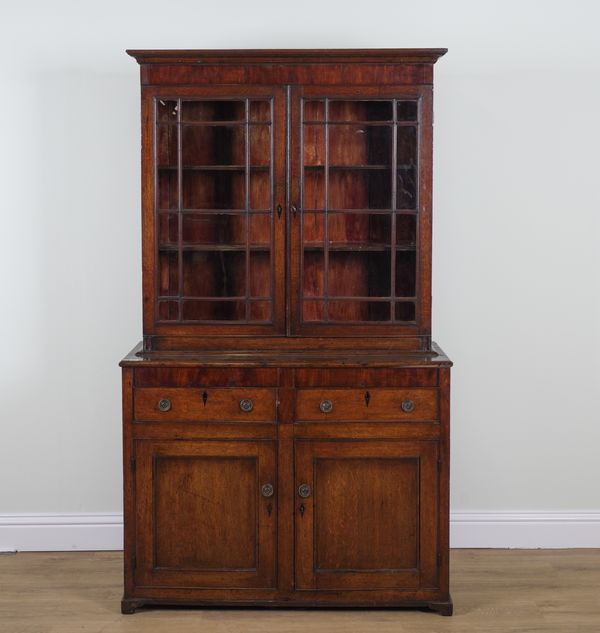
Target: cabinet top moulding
(291, 56)
(378, 67)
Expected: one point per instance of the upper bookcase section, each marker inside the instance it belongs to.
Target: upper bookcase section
(384, 66)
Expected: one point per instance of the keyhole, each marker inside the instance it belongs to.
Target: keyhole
(204, 398)
(367, 398)
(270, 509)
(301, 508)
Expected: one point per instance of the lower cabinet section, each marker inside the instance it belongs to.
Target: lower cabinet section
(290, 509)
(359, 511)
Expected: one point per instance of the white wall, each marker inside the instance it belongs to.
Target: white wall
(516, 255)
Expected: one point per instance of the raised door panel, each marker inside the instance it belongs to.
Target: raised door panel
(214, 229)
(361, 194)
(206, 514)
(366, 515)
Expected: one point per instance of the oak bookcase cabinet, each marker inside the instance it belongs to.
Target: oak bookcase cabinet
(286, 416)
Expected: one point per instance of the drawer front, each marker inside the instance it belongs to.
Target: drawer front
(367, 404)
(245, 404)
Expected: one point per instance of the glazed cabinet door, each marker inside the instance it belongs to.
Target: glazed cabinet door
(206, 513)
(214, 221)
(366, 514)
(361, 202)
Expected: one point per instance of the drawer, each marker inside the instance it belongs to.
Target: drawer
(204, 405)
(367, 404)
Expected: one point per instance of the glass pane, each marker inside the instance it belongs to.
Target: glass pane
(168, 310)
(214, 273)
(168, 229)
(168, 273)
(314, 229)
(360, 189)
(407, 111)
(405, 273)
(369, 145)
(358, 310)
(217, 229)
(260, 110)
(260, 274)
(213, 311)
(260, 190)
(359, 274)
(218, 189)
(313, 310)
(406, 186)
(166, 146)
(213, 145)
(405, 311)
(360, 111)
(168, 189)
(359, 230)
(206, 110)
(260, 145)
(314, 110)
(260, 229)
(314, 189)
(406, 230)
(166, 111)
(260, 311)
(314, 145)
(313, 284)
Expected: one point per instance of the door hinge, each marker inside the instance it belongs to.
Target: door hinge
(132, 464)
(439, 560)
(439, 465)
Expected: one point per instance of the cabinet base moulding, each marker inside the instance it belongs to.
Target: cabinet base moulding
(130, 606)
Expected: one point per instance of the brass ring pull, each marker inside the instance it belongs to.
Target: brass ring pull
(246, 405)
(407, 406)
(326, 406)
(164, 404)
(304, 491)
(267, 490)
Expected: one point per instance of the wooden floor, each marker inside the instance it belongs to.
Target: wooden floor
(502, 591)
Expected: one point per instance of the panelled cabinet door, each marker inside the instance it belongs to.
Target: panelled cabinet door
(361, 194)
(366, 514)
(206, 513)
(214, 198)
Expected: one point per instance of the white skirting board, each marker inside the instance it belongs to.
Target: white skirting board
(528, 530)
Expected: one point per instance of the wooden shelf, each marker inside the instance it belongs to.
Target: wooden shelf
(240, 168)
(356, 248)
(214, 247)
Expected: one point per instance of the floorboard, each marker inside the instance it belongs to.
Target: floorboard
(494, 591)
